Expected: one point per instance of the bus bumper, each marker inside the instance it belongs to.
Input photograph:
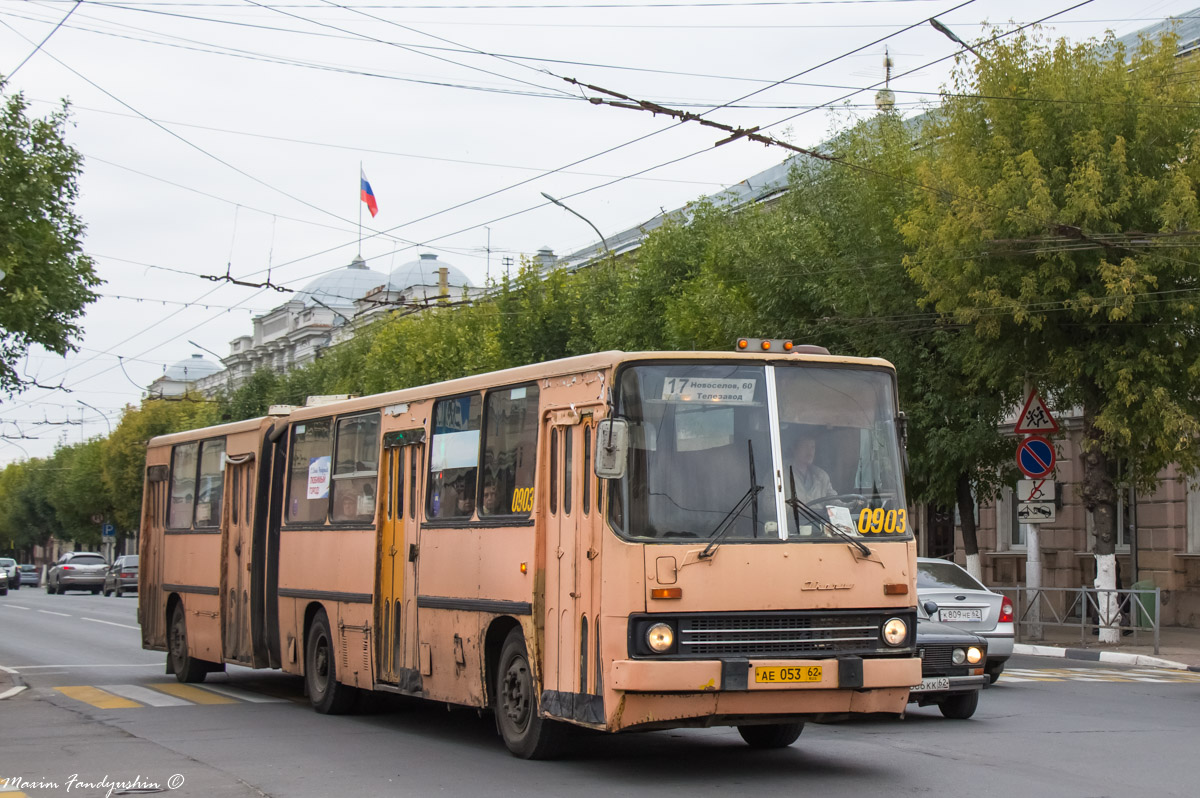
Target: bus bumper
(667, 694)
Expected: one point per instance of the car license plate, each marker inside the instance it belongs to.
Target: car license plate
(932, 683)
(946, 615)
(785, 675)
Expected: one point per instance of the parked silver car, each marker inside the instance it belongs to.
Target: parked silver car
(122, 576)
(964, 602)
(77, 570)
(10, 574)
(30, 575)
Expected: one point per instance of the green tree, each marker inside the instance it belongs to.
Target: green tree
(48, 280)
(1061, 232)
(27, 518)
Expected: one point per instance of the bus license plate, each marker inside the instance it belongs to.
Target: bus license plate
(785, 675)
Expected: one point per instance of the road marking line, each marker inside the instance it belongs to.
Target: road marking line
(146, 696)
(110, 623)
(12, 691)
(243, 695)
(51, 612)
(7, 670)
(193, 694)
(97, 697)
(17, 607)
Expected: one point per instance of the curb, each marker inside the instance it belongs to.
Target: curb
(1115, 657)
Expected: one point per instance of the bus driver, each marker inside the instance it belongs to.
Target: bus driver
(812, 483)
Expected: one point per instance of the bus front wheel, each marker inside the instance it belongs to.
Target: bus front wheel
(186, 668)
(771, 735)
(327, 695)
(526, 733)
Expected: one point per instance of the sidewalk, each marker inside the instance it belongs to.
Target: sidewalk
(1179, 647)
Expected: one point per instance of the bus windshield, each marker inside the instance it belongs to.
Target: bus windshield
(759, 452)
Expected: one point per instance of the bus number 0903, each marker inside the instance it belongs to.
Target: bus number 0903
(889, 522)
(522, 501)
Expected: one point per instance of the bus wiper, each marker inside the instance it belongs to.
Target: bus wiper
(799, 506)
(749, 497)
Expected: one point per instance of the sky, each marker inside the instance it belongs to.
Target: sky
(226, 136)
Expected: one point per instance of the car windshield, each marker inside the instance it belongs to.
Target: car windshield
(7, 563)
(758, 452)
(28, 567)
(87, 559)
(945, 575)
(130, 559)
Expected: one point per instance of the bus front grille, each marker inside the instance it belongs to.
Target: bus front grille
(779, 634)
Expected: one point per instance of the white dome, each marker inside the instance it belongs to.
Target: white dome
(340, 289)
(191, 369)
(424, 271)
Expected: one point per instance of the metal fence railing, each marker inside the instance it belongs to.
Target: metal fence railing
(1135, 613)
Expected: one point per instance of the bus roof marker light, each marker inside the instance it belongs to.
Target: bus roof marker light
(787, 346)
(742, 343)
(766, 346)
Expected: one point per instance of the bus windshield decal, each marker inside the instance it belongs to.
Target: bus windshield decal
(455, 450)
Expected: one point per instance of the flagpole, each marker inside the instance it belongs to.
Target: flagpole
(360, 204)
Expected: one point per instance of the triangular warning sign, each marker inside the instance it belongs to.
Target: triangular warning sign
(1035, 416)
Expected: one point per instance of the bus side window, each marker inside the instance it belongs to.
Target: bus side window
(355, 470)
(183, 486)
(568, 462)
(587, 469)
(454, 458)
(509, 451)
(308, 472)
(553, 470)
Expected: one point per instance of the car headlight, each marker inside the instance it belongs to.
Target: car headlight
(660, 637)
(974, 655)
(895, 632)
(959, 656)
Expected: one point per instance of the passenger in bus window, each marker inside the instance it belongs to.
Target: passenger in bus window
(491, 497)
(812, 483)
(465, 496)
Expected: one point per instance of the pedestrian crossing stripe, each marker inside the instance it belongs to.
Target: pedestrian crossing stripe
(1144, 675)
(168, 694)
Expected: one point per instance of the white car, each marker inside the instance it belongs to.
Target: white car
(964, 602)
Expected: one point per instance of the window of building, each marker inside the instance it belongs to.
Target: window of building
(355, 469)
(454, 458)
(183, 485)
(510, 446)
(308, 472)
(212, 483)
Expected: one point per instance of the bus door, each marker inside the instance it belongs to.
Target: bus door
(397, 541)
(236, 533)
(562, 557)
(587, 558)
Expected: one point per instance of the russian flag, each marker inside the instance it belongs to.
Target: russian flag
(367, 195)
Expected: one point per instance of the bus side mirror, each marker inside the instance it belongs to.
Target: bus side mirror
(612, 448)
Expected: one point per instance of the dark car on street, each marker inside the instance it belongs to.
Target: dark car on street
(77, 570)
(952, 669)
(122, 576)
(30, 575)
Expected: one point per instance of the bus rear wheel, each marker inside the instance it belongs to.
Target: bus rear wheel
(771, 735)
(526, 733)
(186, 668)
(327, 695)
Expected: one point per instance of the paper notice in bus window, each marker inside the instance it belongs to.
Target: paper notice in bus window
(455, 450)
(840, 517)
(318, 477)
(686, 389)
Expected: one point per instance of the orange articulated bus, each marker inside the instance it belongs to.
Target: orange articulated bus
(620, 541)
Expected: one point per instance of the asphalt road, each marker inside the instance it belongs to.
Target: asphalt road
(1050, 727)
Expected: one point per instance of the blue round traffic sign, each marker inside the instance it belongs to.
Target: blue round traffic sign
(1035, 457)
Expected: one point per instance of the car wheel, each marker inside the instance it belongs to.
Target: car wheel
(993, 672)
(771, 735)
(525, 732)
(106, 592)
(95, 591)
(327, 695)
(960, 706)
(186, 668)
(120, 591)
(3, 591)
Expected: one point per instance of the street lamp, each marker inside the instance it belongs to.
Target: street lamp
(603, 240)
(89, 407)
(949, 34)
(206, 349)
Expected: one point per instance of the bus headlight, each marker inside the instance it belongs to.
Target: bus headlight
(895, 632)
(974, 655)
(660, 637)
(958, 657)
